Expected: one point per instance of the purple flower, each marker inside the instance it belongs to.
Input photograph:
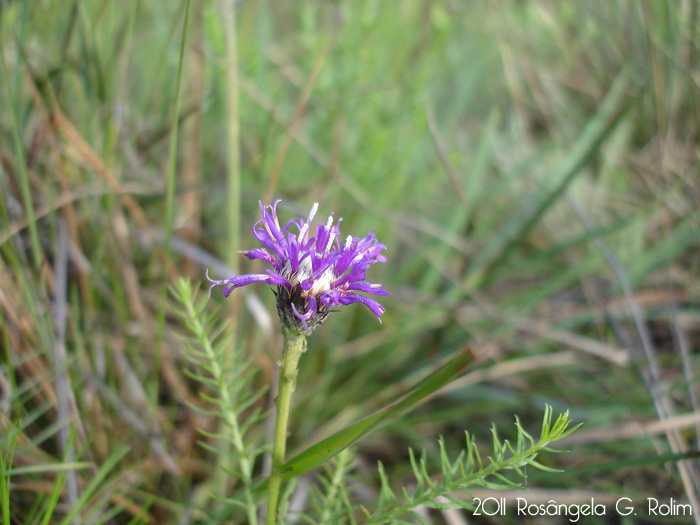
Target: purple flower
(313, 271)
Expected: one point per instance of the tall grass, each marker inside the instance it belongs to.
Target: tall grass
(531, 166)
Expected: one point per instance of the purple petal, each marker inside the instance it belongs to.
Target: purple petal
(323, 235)
(376, 308)
(238, 281)
(262, 254)
(279, 280)
(312, 306)
(271, 221)
(310, 312)
(264, 238)
(330, 298)
(373, 253)
(322, 264)
(356, 274)
(375, 289)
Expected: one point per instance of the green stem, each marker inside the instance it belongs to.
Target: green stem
(294, 346)
(169, 207)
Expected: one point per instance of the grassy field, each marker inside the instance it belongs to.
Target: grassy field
(531, 166)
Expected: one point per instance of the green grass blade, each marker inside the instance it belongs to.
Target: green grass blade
(60, 481)
(170, 197)
(94, 485)
(10, 441)
(55, 467)
(598, 466)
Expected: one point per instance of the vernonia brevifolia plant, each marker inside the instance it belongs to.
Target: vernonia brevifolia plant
(314, 271)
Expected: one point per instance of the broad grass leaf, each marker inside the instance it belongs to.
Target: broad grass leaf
(322, 451)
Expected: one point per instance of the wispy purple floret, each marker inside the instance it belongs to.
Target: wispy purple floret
(312, 270)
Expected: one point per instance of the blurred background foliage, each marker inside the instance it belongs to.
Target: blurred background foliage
(532, 167)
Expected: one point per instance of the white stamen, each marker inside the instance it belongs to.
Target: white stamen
(305, 228)
(314, 209)
(323, 283)
(329, 222)
(348, 241)
(303, 272)
(331, 239)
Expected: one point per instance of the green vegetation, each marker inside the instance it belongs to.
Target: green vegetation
(531, 166)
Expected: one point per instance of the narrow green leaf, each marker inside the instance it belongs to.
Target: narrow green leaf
(419, 518)
(424, 470)
(443, 505)
(416, 471)
(464, 504)
(543, 467)
(444, 462)
(53, 467)
(324, 450)
(386, 495)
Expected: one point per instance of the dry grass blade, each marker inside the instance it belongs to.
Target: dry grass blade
(635, 429)
(75, 140)
(64, 391)
(513, 367)
(578, 342)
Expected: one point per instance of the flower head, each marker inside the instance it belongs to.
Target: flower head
(313, 271)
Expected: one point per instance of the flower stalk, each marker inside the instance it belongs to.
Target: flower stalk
(294, 345)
